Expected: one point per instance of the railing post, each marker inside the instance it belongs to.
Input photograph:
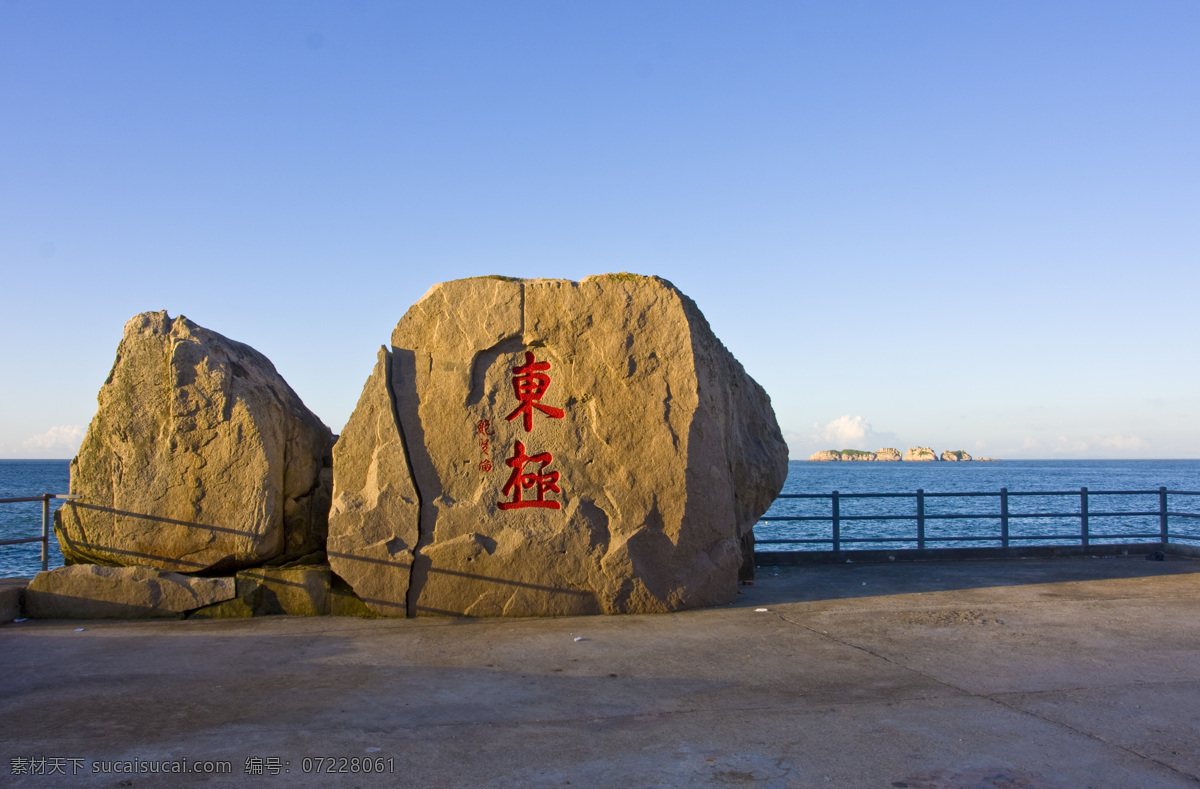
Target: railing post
(1003, 517)
(1162, 515)
(45, 531)
(920, 518)
(1083, 516)
(837, 523)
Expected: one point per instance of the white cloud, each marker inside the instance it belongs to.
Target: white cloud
(1069, 446)
(846, 432)
(60, 437)
(1077, 446)
(1126, 443)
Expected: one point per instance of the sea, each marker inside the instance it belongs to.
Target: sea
(20, 478)
(1063, 477)
(35, 477)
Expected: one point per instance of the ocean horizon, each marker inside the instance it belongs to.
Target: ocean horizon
(33, 477)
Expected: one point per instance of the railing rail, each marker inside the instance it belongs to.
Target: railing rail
(44, 498)
(836, 518)
(1085, 516)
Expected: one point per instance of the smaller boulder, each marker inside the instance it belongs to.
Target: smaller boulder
(200, 458)
(275, 591)
(292, 591)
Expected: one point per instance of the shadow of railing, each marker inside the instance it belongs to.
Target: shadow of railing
(96, 550)
(412, 608)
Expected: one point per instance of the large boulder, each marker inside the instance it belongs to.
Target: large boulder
(574, 448)
(200, 458)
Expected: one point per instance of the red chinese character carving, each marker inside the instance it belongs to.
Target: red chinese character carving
(530, 383)
(483, 428)
(537, 481)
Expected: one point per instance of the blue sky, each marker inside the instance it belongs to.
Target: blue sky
(971, 225)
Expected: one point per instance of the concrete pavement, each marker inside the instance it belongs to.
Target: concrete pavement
(1047, 673)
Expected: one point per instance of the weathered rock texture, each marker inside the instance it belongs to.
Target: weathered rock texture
(665, 451)
(89, 591)
(200, 457)
(920, 454)
(955, 455)
(374, 521)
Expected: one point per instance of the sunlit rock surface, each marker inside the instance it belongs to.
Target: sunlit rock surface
(574, 448)
(200, 458)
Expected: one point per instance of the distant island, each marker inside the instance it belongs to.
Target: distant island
(890, 455)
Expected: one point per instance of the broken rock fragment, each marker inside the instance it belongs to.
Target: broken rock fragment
(88, 591)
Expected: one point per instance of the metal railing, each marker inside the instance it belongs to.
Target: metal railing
(45, 538)
(1085, 536)
(921, 537)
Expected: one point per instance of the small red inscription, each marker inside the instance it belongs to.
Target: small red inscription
(539, 482)
(530, 383)
(483, 429)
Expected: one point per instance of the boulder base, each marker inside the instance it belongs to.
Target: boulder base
(88, 591)
(548, 447)
(294, 591)
(289, 591)
(11, 591)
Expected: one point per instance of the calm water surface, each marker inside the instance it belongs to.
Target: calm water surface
(28, 478)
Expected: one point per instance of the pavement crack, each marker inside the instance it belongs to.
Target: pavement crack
(872, 653)
(1097, 737)
(994, 698)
